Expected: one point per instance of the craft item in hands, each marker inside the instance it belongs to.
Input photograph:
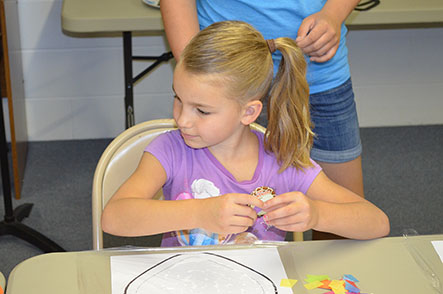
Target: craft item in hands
(264, 194)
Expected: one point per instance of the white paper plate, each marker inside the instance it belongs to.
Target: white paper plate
(152, 3)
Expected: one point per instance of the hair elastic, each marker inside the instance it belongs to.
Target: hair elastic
(271, 45)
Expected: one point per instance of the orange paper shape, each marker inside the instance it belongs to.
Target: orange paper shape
(325, 284)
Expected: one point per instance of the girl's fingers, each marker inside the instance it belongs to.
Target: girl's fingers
(282, 199)
(286, 208)
(242, 222)
(248, 200)
(282, 216)
(298, 227)
(294, 223)
(245, 212)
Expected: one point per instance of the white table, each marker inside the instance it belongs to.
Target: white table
(383, 266)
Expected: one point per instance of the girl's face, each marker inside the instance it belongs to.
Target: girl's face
(202, 111)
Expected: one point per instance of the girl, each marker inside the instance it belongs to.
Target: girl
(214, 161)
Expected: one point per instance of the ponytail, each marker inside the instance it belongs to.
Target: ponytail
(289, 135)
(239, 54)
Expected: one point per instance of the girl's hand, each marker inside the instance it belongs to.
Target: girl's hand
(291, 211)
(319, 36)
(229, 213)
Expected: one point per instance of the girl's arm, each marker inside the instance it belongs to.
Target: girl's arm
(319, 33)
(327, 207)
(132, 212)
(180, 22)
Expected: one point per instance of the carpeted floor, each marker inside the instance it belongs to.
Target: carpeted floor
(402, 166)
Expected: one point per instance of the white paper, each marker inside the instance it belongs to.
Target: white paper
(257, 270)
(438, 246)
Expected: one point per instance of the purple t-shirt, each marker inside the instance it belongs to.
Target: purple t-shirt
(196, 173)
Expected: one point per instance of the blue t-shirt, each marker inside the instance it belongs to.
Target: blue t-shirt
(196, 173)
(281, 19)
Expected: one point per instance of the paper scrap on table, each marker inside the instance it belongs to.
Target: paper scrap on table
(351, 287)
(325, 284)
(313, 278)
(438, 246)
(350, 278)
(337, 286)
(313, 285)
(288, 283)
(346, 285)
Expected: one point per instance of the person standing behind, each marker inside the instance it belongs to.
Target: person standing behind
(319, 30)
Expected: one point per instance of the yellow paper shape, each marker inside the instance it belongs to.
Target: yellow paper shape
(289, 283)
(313, 285)
(338, 286)
(337, 283)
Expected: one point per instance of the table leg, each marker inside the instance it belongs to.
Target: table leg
(130, 80)
(129, 85)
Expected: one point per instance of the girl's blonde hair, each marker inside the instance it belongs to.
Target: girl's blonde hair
(240, 55)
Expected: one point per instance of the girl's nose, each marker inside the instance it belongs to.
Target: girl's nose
(183, 120)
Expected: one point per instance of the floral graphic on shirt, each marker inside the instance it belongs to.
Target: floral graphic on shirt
(203, 188)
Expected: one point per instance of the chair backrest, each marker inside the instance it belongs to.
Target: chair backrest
(118, 162)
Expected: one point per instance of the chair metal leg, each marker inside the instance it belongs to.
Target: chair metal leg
(297, 236)
(11, 225)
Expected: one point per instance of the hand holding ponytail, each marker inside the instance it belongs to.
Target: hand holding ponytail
(289, 133)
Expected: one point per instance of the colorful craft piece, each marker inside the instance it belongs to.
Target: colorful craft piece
(351, 287)
(264, 194)
(313, 285)
(288, 283)
(346, 285)
(350, 278)
(337, 286)
(313, 278)
(325, 284)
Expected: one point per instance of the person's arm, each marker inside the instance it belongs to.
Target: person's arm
(181, 23)
(319, 33)
(132, 212)
(327, 207)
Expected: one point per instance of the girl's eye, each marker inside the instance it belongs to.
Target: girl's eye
(202, 112)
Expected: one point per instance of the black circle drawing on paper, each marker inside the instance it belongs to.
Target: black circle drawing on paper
(159, 271)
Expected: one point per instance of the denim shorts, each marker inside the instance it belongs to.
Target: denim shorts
(337, 134)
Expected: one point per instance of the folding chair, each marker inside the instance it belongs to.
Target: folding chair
(118, 162)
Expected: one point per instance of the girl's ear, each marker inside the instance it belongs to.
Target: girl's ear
(252, 110)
